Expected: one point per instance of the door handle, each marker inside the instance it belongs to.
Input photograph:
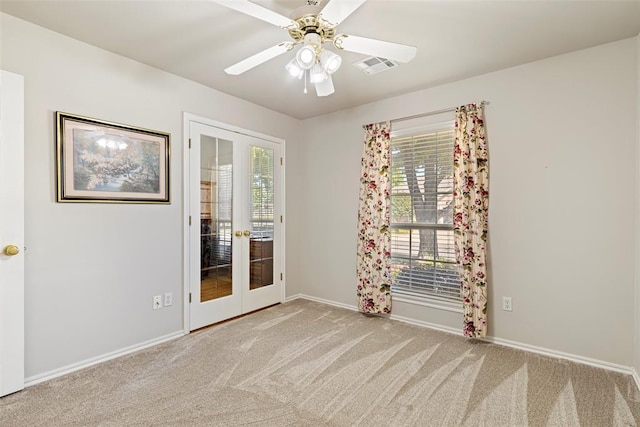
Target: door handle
(247, 233)
(11, 250)
(238, 233)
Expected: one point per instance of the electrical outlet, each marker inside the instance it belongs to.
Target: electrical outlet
(168, 299)
(157, 302)
(507, 304)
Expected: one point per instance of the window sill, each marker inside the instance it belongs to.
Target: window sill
(425, 301)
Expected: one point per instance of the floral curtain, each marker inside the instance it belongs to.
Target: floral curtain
(374, 236)
(470, 214)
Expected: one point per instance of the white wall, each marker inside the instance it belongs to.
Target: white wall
(562, 138)
(91, 269)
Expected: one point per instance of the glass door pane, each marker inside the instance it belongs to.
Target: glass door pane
(261, 217)
(216, 197)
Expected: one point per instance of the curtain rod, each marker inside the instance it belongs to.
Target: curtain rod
(431, 113)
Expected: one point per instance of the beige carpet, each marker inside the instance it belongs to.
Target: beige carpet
(304, 363)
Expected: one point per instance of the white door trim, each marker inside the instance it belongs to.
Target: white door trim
(186, 124)
(11, 232)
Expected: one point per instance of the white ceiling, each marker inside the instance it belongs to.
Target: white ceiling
(455, 40)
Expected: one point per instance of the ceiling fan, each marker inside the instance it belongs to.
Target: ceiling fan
(311, 27)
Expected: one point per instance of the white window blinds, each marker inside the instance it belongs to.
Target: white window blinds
(422, 249)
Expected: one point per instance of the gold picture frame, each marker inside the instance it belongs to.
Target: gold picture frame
(105, 162)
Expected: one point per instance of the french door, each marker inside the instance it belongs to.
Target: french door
(235, 229)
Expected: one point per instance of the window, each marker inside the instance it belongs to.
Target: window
(262, 192)
(422, 248)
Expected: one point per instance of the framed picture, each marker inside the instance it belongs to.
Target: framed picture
(105, 162)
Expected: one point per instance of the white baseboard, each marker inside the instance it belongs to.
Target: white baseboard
(392, 316)
(327, 302)
(636, 378)
(36, 379)
(292, 298)
(596, 363)
(499, 341)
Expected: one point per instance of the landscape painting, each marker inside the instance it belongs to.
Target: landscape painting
(106, 162)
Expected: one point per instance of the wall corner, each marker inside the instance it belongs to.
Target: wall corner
(636, 347)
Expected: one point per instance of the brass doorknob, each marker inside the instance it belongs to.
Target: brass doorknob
(11, 250)
(238, 233)
(247, 233)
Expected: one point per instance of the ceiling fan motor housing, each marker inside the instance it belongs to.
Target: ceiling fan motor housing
(313, 39)
(312, 24)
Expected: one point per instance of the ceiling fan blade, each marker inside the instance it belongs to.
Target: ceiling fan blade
(258, 58)
(337, 11)
(394, 51)
(256, 11)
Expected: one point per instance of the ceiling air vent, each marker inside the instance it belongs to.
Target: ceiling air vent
(375, 65)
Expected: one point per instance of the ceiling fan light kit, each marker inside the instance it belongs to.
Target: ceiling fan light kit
(314, 58)
(318, 74)
(330, 61)
(325, 87)
(312, 29)
(294, 69)
(306, 57)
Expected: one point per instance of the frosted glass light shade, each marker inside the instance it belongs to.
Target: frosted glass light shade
(325, 87)
(306, 57)
(294, 69)
(318, 74)
(330, 61)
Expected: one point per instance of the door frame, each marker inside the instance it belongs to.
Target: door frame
(188, 118)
